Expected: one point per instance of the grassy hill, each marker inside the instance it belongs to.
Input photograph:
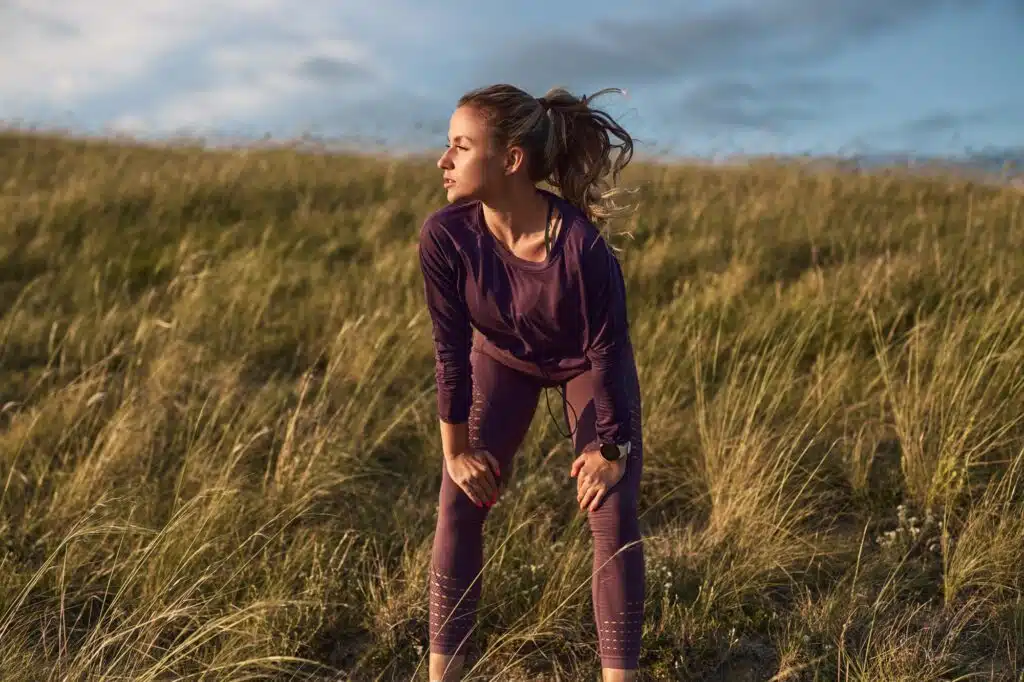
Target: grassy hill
(220, 456)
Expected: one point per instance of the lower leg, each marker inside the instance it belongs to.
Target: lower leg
(619, 609)
(455, 583)
(455, 580)
(618, 581)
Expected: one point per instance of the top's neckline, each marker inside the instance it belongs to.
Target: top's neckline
(556, 246)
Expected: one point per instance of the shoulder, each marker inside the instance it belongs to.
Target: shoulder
(583, 237)
(453, 220)
(587, 251)
(447, 230)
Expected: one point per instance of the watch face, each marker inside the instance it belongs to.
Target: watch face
(610, 452)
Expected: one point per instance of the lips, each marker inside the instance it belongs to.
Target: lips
(448, 182)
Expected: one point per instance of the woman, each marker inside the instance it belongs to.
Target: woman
(530, 271)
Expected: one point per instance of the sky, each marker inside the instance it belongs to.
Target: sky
(702, 77)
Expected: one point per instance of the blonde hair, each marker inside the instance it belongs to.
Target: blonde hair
(567, 142)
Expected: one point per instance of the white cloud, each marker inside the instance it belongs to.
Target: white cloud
(69, 51)
(251, 81)
(169, 64)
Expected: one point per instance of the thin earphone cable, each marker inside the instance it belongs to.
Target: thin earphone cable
(568, 406)
(565, 399)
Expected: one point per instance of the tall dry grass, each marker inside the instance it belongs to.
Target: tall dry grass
(220, 457)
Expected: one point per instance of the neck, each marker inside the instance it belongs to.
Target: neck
(516, 214)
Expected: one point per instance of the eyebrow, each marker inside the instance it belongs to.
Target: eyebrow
(462, 137)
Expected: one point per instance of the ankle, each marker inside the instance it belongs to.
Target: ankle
(445, 668)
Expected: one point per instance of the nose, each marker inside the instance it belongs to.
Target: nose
(445, 161)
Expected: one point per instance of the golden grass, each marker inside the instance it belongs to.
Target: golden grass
(220, 457)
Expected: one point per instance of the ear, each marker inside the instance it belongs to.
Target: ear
(515, 158)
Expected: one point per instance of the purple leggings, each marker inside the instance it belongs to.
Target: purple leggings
(504, 402)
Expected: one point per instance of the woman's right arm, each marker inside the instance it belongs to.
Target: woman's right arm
(451, 331)
(476, 473)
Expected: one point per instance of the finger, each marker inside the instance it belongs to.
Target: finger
(485, 482)
(584, 484)
(577, 465)
(503, 482)
(495, 467)
(483, 493)
(595, 504)
(588, 496)
(492, 482)
(470, 491)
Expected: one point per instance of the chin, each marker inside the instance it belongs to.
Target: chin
(455, 196)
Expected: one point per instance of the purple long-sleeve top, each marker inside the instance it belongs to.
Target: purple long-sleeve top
(553, 319)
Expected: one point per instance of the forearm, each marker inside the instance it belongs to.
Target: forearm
(454, 437)
(611, 399)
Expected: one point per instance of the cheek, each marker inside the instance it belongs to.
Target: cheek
(488, 170)
(475, 168)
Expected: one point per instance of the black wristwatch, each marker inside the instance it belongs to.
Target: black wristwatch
(613, 452)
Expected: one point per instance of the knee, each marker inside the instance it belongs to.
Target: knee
(616, 521)
(456, 513)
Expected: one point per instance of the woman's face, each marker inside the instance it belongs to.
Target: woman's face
(472, 168)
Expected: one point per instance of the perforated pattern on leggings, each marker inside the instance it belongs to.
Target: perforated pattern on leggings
(453, 593)
(452, 610)
(619, 573)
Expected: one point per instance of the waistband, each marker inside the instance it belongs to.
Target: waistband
(548, 376)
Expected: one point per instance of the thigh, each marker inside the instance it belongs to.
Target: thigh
(504, 402)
